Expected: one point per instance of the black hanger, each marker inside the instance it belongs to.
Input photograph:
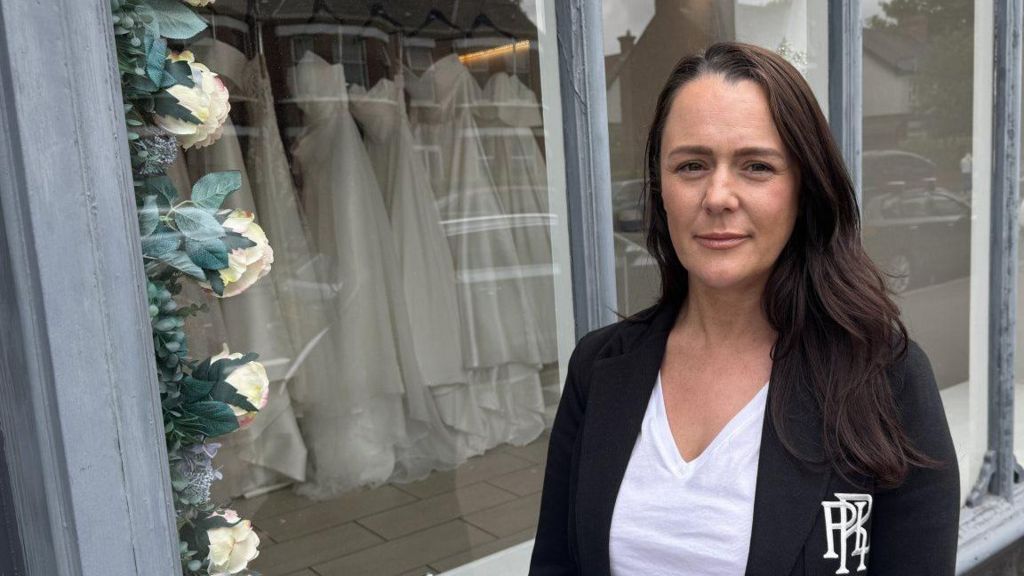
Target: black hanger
(321, 6)
(378, 11)
(482, 20)
(253, 19)
(436, 15)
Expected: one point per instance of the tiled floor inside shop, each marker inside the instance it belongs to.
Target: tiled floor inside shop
(446, 520)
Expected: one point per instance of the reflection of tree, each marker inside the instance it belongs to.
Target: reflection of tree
(942, 84)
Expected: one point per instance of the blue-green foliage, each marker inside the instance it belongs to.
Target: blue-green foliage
(181, 238)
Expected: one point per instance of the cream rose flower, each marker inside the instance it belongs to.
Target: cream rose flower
(232, 547)
(245, 265)
(199, 3)
(250, 379)
(207, 101)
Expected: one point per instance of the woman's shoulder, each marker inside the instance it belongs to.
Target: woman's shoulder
(619, 337)
(912, 372)
(919, 403)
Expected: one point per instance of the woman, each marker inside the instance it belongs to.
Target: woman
(769, 416)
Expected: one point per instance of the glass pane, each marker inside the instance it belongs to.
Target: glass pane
(642, 42)
(920, 188)
(399, 163)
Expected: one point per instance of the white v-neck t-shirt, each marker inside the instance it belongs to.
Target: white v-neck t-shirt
(676, 517)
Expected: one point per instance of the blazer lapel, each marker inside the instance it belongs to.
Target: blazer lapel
(620, 389)
(788, 492)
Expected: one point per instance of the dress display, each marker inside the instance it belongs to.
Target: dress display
(502, 400)
(410, 306)
(270, 451)
(372, 421)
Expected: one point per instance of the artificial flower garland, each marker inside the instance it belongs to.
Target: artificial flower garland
(172, 102)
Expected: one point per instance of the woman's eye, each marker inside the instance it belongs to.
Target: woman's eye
(760, 167)
(688, 167)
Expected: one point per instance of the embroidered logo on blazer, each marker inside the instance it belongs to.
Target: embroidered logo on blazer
(846, 517)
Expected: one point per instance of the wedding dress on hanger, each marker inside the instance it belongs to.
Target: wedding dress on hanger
(371, 422)
(520, 179)
(424, 257)
(298, 277)
(270, 451)
(428, 274)
(502, 400)
(253, 319)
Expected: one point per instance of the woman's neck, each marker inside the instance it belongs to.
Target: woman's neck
(712, 317)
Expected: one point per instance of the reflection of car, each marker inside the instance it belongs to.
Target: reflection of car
(915, 230)
(920, 236)
(887, 171)
(627, 212)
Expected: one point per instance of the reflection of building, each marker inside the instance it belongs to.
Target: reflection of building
(890, 63)
(636, 74)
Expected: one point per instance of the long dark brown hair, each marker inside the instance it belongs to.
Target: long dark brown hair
(838, 329)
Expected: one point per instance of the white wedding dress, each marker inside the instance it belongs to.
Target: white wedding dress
(371, 421)
(270, 451)
(520, 180)
(502, 400)
(304, 295)
(428, 274)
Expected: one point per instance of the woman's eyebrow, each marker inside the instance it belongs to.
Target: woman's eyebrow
(698, 150)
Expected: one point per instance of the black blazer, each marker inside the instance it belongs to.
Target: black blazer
(907, 531)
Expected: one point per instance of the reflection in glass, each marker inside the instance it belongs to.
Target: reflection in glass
(919, 143)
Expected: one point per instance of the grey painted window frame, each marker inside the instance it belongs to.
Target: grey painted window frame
(587, 162)
(845, 107)
(1003, 246)
(79, 407)
(994, 518)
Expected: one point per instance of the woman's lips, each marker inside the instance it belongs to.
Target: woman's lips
(720, 241)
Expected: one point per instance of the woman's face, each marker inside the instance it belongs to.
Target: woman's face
(728, 184)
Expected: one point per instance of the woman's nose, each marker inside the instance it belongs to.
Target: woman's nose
(720, 194)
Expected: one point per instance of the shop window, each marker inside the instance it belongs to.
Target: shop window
(397, 164)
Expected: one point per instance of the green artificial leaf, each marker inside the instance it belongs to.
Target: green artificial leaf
(156, 54)
(224, 366)
(223, 391)
(211, 190)
(242, 402)
(180, 261)
(214, 418)
(144, 84)
(197, 224)
(176, 20)
(208, 254)
(149, 215)
(165, 324)
(235, 241)
(193, 390)
(215, 281)
(161, 242)
(164, 104)
(177, 72)
(202, 370)
(163, 186)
